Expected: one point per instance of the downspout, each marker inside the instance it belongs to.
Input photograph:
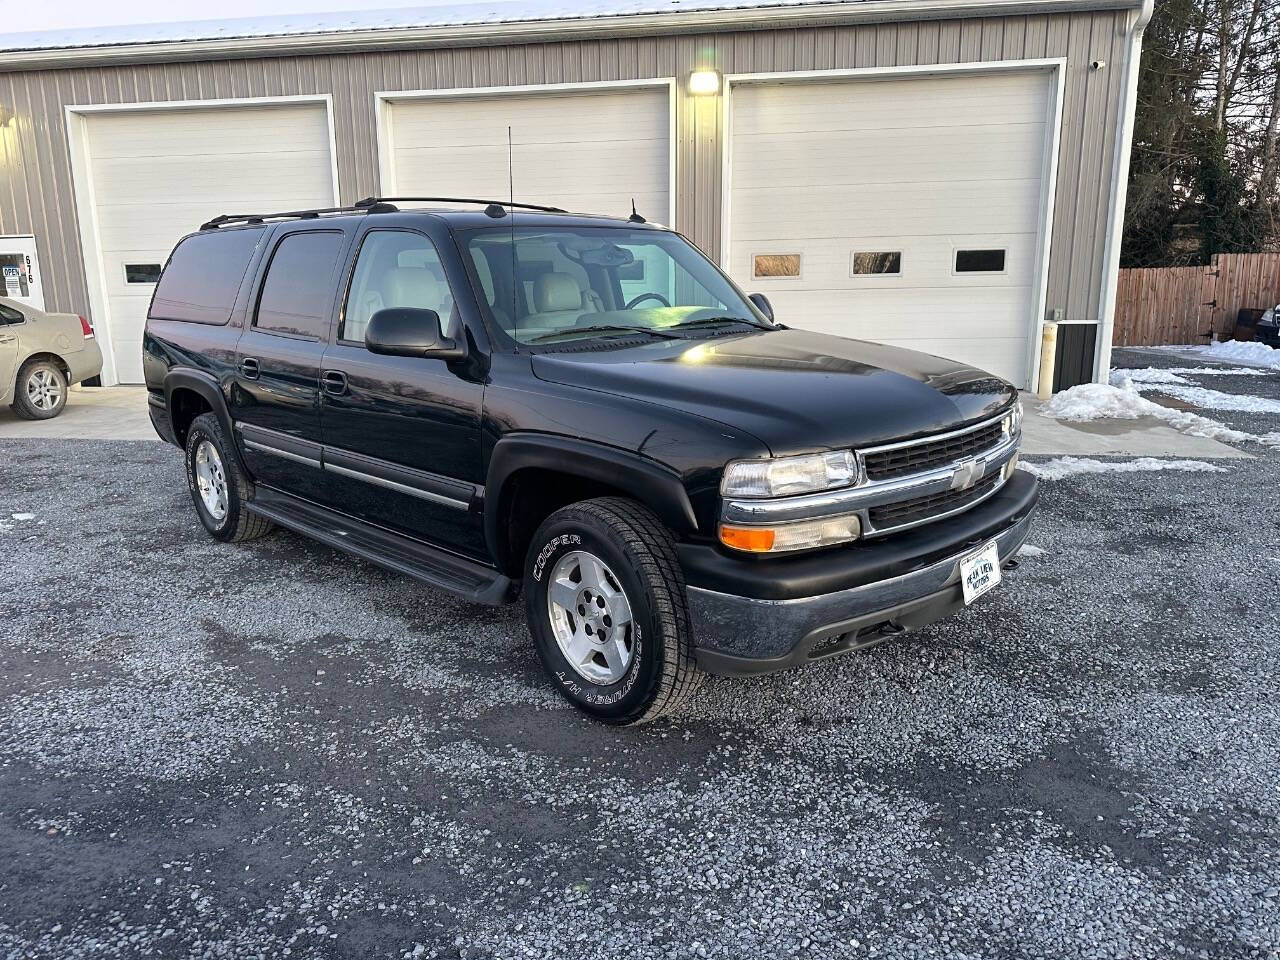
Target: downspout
(1119, 191)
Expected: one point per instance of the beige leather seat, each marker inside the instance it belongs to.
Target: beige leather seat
(558, 302)
(403, 287)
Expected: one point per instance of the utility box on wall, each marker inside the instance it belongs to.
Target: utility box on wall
(1077, 346)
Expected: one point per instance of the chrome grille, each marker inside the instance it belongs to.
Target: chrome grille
(906, 512)
(906, 459)
(903, 485)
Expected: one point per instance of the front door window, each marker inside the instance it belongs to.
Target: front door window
(395, 269)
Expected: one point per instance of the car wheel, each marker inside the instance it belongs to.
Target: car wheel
(41, 390)
(605, 600)
(219, 488)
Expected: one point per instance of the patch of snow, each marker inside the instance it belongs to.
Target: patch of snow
(23, 516)
(1103, 401)
(1178, 375)
(1145, 375)
(1223, 371)
(1250, 352)
(1245, 351)
(1215, 399)
(1029, 550)
(1061, 467)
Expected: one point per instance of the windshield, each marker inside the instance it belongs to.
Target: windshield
(575, 283)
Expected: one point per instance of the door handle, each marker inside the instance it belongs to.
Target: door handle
(249, 367)
(334, 382)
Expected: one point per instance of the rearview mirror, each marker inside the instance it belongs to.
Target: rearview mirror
(410, 332)
(762, 304)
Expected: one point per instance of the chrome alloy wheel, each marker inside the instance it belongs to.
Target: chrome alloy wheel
(44, 390)
(211, 479)
(591, 618)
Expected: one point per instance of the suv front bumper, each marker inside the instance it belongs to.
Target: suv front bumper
(834, 602)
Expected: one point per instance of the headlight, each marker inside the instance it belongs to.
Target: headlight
(786, 476)
(801, 535)
(1012, 423)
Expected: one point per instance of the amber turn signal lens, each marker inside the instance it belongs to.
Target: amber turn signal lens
(751, 539)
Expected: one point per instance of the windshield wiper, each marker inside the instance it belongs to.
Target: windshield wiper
(714, 321)
(604, 328)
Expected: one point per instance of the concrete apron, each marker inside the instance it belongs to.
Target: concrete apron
(1143, 437)
(91, 413)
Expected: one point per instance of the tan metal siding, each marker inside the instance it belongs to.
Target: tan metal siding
(35, 180)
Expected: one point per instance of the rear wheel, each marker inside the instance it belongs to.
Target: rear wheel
(41, 390)
(605, 600)
(219, 488)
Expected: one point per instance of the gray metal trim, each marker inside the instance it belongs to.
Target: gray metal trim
(764, 629)
(399, 487)
(277, 452)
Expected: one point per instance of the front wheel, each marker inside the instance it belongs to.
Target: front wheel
(605, 600)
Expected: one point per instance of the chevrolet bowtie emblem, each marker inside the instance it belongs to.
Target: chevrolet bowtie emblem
(965, 473)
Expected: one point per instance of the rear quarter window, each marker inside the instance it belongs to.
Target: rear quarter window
(203, 276)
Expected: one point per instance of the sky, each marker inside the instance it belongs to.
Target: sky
(26, 16)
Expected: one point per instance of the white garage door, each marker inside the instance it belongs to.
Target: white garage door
(586, 151)
(906, 211)
(157, 175)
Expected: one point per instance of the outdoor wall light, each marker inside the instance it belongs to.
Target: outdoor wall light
(6, 116)
(704, 82)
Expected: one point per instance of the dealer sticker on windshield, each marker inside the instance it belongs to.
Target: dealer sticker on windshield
(980, 571)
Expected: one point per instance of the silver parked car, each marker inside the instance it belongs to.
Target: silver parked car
(41, 355)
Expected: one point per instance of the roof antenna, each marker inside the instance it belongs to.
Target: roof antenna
(511, 212)
(635, 217)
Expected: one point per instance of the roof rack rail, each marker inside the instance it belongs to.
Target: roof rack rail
(372, 201)
(254, 218)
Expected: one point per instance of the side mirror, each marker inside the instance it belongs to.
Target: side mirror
(762, 304)
(410, 332)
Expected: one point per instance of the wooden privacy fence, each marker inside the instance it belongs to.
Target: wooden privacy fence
(1183, 304)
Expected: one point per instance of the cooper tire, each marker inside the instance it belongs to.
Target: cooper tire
(219, 489)
(617, 676)
(40, 392)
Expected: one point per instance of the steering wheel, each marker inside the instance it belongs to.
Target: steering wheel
(647, 296)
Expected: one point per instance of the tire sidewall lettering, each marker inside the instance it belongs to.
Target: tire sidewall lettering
(551, 546)
(573, 685)
(193, 440)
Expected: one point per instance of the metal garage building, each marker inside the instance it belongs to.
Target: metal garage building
(942, 174)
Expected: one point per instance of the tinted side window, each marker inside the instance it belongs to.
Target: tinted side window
(297, 294)
(9, 315)
(203, 276)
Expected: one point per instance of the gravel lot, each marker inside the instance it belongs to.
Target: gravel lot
(274, 750)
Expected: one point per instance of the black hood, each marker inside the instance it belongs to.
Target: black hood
(796, 391)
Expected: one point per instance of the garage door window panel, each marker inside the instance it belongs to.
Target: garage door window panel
(886, 263)
(296, 296)
(395, 268)
(980, 261)
(776, 266)
(143, 273)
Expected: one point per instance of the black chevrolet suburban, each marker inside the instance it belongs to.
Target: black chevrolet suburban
(496, 398)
